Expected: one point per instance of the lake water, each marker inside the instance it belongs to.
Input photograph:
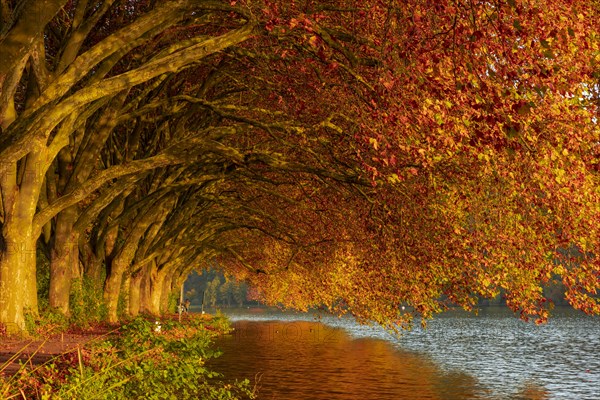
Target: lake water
(459, 356)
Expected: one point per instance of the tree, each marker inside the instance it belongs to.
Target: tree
(59, 71)
(212, 292)
(358, 156)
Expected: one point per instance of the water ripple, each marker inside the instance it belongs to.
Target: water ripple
(492, 356)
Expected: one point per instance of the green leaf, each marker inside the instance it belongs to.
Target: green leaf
(517, 25)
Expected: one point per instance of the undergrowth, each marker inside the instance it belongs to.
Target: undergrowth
(143, 360)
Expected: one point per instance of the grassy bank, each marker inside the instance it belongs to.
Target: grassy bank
(143, 359)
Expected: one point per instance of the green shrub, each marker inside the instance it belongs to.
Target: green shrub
(46, 323)
(141, 362)
(122, 302)
(220, 322)
(173, 302)
(87, 304)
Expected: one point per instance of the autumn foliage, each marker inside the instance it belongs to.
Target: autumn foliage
(387, 159)
(476, 124)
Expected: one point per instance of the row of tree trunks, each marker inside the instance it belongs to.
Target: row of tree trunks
(63, 86)
(149, 290)
(74, 171)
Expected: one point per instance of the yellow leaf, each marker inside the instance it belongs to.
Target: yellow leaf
(374, 143)
(394, 178)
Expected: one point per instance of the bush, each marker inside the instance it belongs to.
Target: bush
(173, 302)
(87, 304)
(142, 362)
(43, 325)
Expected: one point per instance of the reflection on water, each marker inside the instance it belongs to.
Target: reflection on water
(494, 356)
(308, 360)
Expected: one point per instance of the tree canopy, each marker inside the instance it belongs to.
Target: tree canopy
(387, 159)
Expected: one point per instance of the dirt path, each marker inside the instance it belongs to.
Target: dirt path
(14, 352)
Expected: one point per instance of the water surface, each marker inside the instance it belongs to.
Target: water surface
(459, 356)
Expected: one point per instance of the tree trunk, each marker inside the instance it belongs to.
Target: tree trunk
(134, 304)
(112, 287)
(156, 282)
(18, 286)
(166, 291)
(124, 294)
(18, 289)
(144, 289)
(64, 260)
(93, 264)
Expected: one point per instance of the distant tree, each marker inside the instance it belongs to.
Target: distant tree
(212, 292)
(239, 293)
